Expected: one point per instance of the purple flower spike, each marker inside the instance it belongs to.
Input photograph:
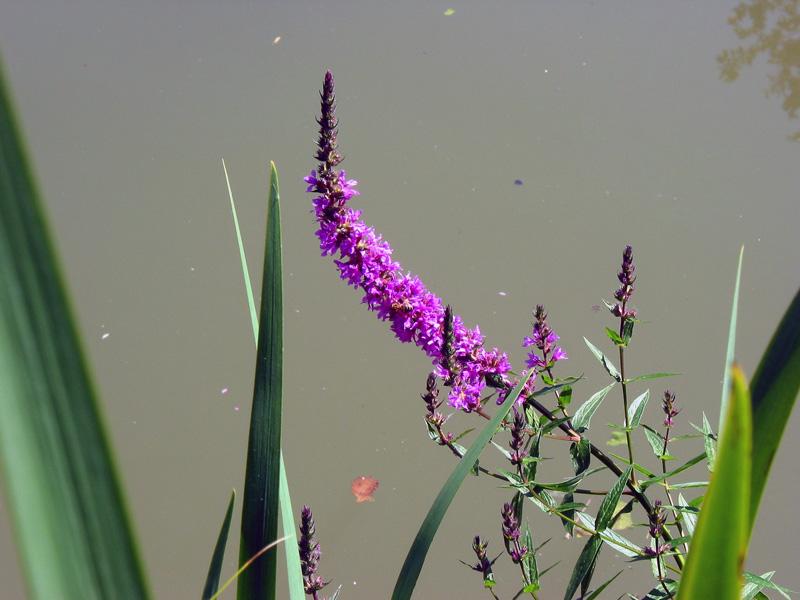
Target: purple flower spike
(365, 262)
(544, 338)
(624, 293)
(511, 534)
(309, 554)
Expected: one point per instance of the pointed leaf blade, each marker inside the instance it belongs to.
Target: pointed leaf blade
(415, 558)
(719, 544)
(60, 482)
(215, 568)
(262, 477)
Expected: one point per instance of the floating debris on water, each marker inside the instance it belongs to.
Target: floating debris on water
(363, 488)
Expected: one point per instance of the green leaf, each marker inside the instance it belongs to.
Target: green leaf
(60, 483)
(567, 485)
(263, 473)
(294, 573)
(731, 348)
(604, 360)
(636, 409)
(627, 331)
(606, 510)
(774, 391)
(596, 593)
(581, 455)
(614, 540)
(215, 568)
(415, 558)
(530, 569)
(583, 415)
(585, 564)
(614, 336)
(566, 509)
(689, 463)
(719, 544)
(689, 517)
(650, 376)
(655, 439)
(765, 581)
(709, 443)
(565, 397)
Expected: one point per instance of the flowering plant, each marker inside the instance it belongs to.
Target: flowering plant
(474, 374)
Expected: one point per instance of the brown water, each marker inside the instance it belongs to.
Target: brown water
(612, 115)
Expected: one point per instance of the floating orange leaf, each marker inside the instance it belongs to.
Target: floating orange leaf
(363, 488)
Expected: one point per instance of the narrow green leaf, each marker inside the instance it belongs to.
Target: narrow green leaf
(655, 479)
(606, 510)
(650, 376)
(709, 443)
(245, 272)
(583, 415)
(774, 391)
(719, 544)
(604, 360)
(689, 517)
(584, 565)
(529, 567)
(412, 566)
(60, 482)
(636, 409)
(596, 593)
(294, 573)
(215, 568)
(731, 348)
(262, 477)
(765, 581)
(613, 539)
(566, 509)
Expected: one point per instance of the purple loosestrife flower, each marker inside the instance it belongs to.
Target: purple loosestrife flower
(309, 554)
(626, 278)
(518, 452)
(365, 262)
(668, 405)
(511, 534)
(657, 520)
(544, 339)
(484, 565)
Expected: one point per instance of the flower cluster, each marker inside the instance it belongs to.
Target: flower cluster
(518, 452)
(484, 565)
(624, 293)
(668, 405)
(657, 520)
(309, 554)
(511, 534)
(365, 262)
(544, 339)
